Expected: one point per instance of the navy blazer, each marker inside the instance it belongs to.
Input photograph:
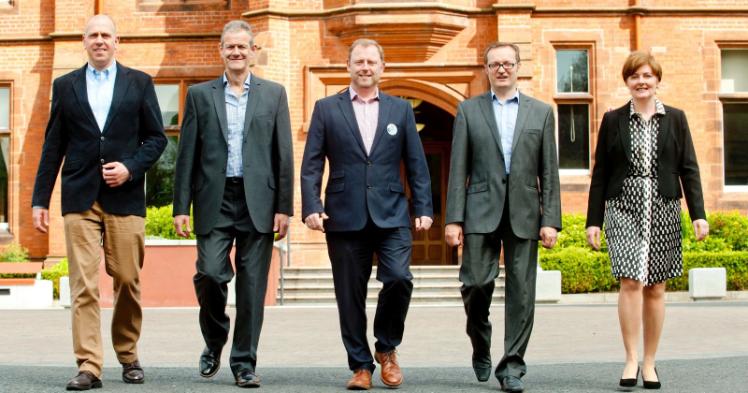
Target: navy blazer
(133, 135)
(676, 162)
(361, 186)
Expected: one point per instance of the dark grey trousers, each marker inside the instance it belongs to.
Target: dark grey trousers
(478, 271)
(214, 272)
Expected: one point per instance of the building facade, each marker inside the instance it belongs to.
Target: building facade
(571, 57)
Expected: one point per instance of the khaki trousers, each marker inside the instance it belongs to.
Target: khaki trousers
(122, 238)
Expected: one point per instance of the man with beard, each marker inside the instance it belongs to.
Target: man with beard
(366, 135)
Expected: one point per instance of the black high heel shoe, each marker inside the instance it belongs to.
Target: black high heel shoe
(629, 382)
(652, 384)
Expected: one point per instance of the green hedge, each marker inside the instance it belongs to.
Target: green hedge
(14, 252)
(160, 223)
(585, 270)
(54, 273)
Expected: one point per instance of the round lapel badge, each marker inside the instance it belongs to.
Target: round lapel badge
(391, 129)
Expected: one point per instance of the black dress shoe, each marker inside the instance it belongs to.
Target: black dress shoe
(629, 382)
(482, 372)
(210, 362)
(84, 381)
(651, 384)
(247, 379)
(512, 384)
(133, 373)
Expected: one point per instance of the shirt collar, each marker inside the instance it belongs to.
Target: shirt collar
(111, 70)
(246, 81)
(354, 94)
(514, 97)
(659, 108)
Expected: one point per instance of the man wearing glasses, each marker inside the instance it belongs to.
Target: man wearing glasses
(503, 192)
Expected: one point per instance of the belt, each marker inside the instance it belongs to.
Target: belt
(235, 180)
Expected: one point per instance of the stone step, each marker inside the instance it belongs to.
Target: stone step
(371, 300)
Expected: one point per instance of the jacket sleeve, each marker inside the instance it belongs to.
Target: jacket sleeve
(284, 154)
(150, 133)
(313, 164)
(53, 151)
(188, 149)
(458, 170)
(548, 176)
(689, 173)
(418, 171)
(596, 198)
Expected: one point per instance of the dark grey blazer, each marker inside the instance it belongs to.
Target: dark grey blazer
(267, 154)
(478, 184)
(676, 162)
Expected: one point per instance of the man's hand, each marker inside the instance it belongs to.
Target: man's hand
(314, 221)
(453, 234)
(182, 225)
(700, 229)
(41, 219)
(280, 225)
(115, 173)
(548, 236)
(423, 223)
(593, 237)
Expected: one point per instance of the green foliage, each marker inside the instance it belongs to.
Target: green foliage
(54, 273)
(160, 223)
(14, 252)
(585, 270)
(582, 270)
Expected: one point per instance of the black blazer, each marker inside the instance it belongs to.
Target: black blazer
(361, 186)
(676, 162)
(133, 135)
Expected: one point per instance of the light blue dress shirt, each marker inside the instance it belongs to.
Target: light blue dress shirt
(505, 113)
(100, 89)
(236, 109)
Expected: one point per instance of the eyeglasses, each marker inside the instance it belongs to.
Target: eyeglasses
(506, 65)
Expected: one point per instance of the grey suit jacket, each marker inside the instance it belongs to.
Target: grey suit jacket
(267, 154)
(478, 184)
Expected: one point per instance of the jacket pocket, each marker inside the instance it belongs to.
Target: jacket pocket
(335, 187)
(477, 187)
(397, 187)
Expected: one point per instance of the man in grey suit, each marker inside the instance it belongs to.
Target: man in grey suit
(503, 192)
(235, 164)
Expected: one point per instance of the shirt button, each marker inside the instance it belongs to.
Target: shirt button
(102, 138)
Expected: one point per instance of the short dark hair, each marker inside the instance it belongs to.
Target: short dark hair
(500, 44)
(636, 60)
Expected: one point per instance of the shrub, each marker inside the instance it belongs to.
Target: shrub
(582, 270)
(160, 223)
(735, 262)
(14, 252)
(54, 273)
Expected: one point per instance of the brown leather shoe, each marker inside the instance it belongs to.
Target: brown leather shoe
(391, 374)
(85, 380)
(133, 373)
(361, 380)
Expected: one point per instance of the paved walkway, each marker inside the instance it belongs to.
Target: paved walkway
(574, 348)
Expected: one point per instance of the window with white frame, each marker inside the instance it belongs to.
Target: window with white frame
(734, 97)
(573, 99)
(5, 124)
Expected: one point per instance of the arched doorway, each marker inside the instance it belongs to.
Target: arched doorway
(435, 129)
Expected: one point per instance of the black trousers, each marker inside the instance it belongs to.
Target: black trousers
(351, 255)
(478, 272)
(214, 272)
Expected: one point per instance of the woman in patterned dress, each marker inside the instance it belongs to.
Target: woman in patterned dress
(644, 155)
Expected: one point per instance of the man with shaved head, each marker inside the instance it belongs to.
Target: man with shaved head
(106, 124)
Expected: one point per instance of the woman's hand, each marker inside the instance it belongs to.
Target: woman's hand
(593, 237)
(700, 229)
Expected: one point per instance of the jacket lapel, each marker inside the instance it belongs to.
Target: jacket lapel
(486, 107)
(255, 94)
(624, 114)
(665, 131)
(525, 107)
(385, 103)
(121, 84)
(81, 93)
(219, 102)
(346, 108)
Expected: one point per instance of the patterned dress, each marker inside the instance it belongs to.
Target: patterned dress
(642, 227)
